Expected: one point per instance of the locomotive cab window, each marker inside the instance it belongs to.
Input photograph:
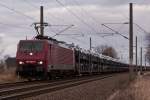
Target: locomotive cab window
(31, 46)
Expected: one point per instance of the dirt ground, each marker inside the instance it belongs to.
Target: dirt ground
(97, 90)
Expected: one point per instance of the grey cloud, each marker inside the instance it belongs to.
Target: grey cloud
(105, 2)
(102, 11)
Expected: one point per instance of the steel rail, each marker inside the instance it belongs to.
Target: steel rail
(30, 91)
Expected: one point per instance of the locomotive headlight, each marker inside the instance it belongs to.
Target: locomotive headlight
(20, 62)
(40, 62)
(30, 53)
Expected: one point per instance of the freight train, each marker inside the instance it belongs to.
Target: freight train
(49, 58)
(46, 58)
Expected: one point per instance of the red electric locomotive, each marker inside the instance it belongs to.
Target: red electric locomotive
(43, 58)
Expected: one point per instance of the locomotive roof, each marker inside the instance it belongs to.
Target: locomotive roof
(30, 40)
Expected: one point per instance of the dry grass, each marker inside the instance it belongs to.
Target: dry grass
(8, 75)
(125, 94)
(138, 90)
(141, 88)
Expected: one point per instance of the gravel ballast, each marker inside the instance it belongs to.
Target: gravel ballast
(96, 90)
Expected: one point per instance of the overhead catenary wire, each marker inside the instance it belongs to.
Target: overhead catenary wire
(73, 37)
(30, 4)
(135, 23)
(79, 40)
(141, 28)
(13, 25)
(36, 7)
(83, 10)
(83, 42)
(116, 32)
(63, 30)
(51, 15)
(86, 12)
(80, 18)
(55, 25)
(77, 17)
(77, 3)
(16, 11)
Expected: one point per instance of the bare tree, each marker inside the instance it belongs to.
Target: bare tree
(2, 49)
(106, 50)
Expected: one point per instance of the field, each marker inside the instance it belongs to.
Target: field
(8, 75)
(138, 90)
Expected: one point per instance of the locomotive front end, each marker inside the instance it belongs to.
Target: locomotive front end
(31, 59)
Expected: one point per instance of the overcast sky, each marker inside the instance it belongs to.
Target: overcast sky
(17, 17)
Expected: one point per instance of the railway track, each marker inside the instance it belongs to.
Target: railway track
(18, 91)
(7, 85)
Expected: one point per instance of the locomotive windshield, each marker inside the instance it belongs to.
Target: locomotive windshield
(31, 46)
